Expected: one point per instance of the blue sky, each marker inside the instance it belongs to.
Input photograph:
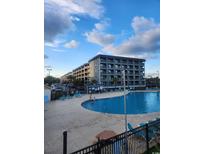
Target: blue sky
(77, 30)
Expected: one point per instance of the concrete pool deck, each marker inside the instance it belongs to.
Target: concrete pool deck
(82, 124)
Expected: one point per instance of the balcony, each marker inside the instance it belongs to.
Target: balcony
(142, 68)
(102, 71)
(110, 66)
(130, 72)
(103, 60)
(131, 78)
(131, 66)
(110, 72)
(102, 66)
(130, 83)
(118, 72)
(141, 64)
(109, 60)
(117, 66)
(103, 79)
(117, 61)
(124, 61)
(124, 66)
(130, 62)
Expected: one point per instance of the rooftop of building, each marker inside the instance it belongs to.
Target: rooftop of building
(81, 66)
(111, 56)
(67, 74)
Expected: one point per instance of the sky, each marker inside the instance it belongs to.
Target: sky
(77, 30)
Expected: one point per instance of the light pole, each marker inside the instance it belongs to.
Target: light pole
(49, 70)
(125, 112)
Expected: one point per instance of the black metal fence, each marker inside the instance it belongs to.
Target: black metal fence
(139, 141)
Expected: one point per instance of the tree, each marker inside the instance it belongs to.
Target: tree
(114, 81)
(70, 78)
(78, 82)
(93, 81)
(153, 82)
(51, 80)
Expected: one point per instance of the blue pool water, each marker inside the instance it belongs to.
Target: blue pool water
(137, 103)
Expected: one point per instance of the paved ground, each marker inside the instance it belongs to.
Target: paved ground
(82, 124)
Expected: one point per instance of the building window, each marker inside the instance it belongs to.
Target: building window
(130, 72)
(136, 82)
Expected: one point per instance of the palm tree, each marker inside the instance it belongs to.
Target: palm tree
(50, 80)
(70, 78)
(93, 81)
(114, 81)
(78, 82)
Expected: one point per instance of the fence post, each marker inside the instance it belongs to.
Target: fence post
(65, 142)
(147, 138)
(99, 147)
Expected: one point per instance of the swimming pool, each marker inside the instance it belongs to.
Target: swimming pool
(137, 103)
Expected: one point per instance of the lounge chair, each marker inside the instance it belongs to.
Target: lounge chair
(138, 134)
(68, 97)
(62, 98)
(152, 131)
(77, 94)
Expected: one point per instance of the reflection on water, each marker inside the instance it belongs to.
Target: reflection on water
(138, 102)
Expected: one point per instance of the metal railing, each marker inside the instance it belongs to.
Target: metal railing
(140, 140)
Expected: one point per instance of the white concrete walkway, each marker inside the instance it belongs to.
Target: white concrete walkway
(82, 124)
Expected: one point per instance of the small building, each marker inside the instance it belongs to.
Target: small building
(47, 94)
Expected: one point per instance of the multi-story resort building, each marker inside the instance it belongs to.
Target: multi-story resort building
(106, 70)
(82, 72)
(64, 77)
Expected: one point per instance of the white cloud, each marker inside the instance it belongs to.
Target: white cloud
(54, 43)
(92, 8)
(56, 21)
(98, 36)
(49, 44)
(101, 26)
(141, 24)
(74, 18)
(144, 43)
(101, 53)
(58, 50)
(71, 44)
(60, 15)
